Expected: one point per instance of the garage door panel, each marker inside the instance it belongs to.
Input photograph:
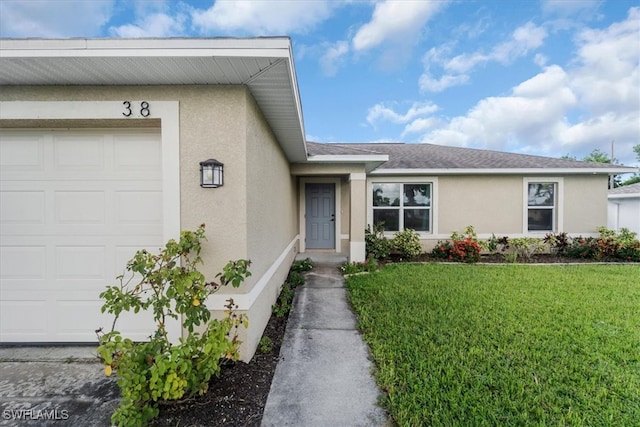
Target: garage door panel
(33, 327)
(75, 207)
(21, 152)
(76, 153)
(138, 207)
(22, 207)
(79, 207)
(80, 262)
(23, 262)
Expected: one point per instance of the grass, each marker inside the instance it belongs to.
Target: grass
(504, 345)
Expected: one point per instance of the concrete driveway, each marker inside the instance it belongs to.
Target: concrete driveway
(55, 386)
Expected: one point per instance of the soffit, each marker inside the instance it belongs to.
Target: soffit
(264, 65)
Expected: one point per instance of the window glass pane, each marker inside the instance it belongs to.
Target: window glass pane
(386, 194)
(417, 195)
(541, 194)
(390, 218)
(540, 219)
(417, 219)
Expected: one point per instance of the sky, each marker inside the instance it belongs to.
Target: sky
(543, 77)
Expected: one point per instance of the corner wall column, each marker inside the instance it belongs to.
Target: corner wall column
(358, 216)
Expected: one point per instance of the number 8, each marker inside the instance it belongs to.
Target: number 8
(144, 109)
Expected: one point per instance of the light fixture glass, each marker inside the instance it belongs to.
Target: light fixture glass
(211, 174)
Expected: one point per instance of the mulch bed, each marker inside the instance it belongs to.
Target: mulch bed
(236, 398)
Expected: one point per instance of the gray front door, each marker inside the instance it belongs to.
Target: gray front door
(320, 216)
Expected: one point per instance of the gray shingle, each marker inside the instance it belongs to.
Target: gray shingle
(627, 189)
(430, 156)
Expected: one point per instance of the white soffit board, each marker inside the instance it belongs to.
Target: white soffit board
(264, 65)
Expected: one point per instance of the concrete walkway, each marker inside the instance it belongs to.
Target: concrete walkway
(324, 376)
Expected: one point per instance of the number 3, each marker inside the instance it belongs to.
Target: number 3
(145, 109)
(127, 107)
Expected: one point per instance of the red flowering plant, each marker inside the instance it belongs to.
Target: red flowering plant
(463, 247)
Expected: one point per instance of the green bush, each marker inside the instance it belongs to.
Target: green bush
(526, 247)
(461, 248)
(369, 266)
(376, 244)
(265, 345)
(170, 286)
(302, 265)
(609, 245)
(407, 242)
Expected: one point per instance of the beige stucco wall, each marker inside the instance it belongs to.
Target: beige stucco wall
(585, 203)
(253, 215)
(496, 204)
(492, 204)
(272, 209)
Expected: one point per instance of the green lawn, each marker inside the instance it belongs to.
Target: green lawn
(475, 345)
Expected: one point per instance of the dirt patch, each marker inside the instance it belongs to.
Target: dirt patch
(237, 397)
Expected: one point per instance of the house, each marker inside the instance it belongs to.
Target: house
(100, 148)
(624, 208)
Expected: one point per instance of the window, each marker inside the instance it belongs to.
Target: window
(401, 206)
(541, 206)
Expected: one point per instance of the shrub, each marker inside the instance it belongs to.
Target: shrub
(407, 242)
(302, 265)
(170, 286)
(462, 247)
(621, 245)
(558, 243)
(369, 266)
(526, 247)
(265, 345)
(376, 245)
(283, 304)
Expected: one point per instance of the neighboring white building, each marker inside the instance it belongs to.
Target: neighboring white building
(624, 208)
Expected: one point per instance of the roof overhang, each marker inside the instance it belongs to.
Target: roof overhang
(264, 65)
(371, 162)
(508, 171)
(624, 196)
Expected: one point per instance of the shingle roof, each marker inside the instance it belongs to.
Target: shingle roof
(627, 189)
(430, 156)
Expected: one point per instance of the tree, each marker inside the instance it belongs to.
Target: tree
(636, 148)
(597, 156)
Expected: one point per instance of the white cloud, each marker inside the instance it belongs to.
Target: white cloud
(262, 17)
(456, 70)
(333, 57)
(154, 25)
(48, 18)
(420, 125)
(395, 21)
(380, 112)
(569, 8)
(428, 83)
(586, 104)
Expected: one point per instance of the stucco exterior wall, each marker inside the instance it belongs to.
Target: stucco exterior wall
(272, 222)
(212, 124)
(492, 204)
(252, 216)
(585, 203)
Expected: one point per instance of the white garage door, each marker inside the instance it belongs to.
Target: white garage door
(74, 206)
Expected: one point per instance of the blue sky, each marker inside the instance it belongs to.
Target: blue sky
(546, 77)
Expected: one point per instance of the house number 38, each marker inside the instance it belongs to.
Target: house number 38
(144, 109)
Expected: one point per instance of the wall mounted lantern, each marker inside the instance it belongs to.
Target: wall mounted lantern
(211, 174)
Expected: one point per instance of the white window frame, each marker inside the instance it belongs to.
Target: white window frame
(558, 214)
(433, 215)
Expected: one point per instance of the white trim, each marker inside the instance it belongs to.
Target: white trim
(558, 220)
(433, 180)
(508, 171)
(218, 301)
(357, 251)
(357, 176)
(624, 196)
(346, 158)
(166, 111)
(302, 195)
(155, 47)
(345, 237)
